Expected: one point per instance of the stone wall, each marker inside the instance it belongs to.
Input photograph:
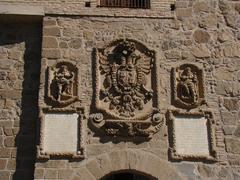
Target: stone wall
(76, 7)
(202, 32)
(20, 47)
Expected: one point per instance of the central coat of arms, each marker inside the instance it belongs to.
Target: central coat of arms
(125, 87)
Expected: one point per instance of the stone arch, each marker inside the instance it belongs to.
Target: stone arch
(127, 160)
(133, 172)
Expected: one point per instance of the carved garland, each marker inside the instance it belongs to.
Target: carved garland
(80, 152)
(126, 84)
(211, 136)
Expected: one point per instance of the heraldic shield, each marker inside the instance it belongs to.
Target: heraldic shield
(126, 98)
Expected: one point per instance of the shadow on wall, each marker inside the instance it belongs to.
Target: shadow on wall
(25, 39)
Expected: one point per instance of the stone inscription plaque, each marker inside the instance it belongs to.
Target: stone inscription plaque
(191, 135)
(60, 133)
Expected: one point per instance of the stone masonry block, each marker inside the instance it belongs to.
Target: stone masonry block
(3, 163)
(51, 54)
(84, 174)
(95, 169)
(51, 31)
(65, 173)
(232, 145)
(51, 174)
(119, 160)
(4, 175)
(49, 42)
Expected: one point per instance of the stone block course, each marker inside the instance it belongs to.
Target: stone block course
(84, 174)
(51, 174)
(49, 42)
(4, 175)
(51, 54)
(232, 145)
(3, 163)
(51, 31)
(94, 168)
(39, 173)
(231, 104)
(65, 173)
(9, 142)
(11, 164)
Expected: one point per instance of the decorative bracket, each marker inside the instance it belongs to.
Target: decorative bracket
(124, 128)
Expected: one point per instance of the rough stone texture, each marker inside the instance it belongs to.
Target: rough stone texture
(205, 170)
(20, 48)
(233, 145)
(201, 36)
(203, 31)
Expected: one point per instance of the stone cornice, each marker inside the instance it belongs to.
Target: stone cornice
(25, 10)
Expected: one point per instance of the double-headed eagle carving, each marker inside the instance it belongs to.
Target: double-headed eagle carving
(124, 86)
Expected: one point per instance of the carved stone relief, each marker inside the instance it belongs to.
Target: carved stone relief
(188, 86)
(126, 89)
(62, 86)
(197, 125)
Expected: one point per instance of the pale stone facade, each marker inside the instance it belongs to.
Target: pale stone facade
(202, 35)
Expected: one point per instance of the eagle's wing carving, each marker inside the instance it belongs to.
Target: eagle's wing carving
(104, 64)
(144, 64)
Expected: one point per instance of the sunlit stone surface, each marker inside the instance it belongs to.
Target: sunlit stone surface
(60, 133)
(191, 135)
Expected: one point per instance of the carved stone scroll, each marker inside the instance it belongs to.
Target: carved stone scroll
(126, 89)
(62, 88)
(188, 86)
(61, 133)
(132, 128)
(191, 135)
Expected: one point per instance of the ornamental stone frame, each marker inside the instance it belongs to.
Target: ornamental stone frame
(188, 89)
(126, 90)
(62, 84)
(80, 151)
(210, 133)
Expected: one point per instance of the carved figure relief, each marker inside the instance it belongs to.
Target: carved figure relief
(188, 89)
(62, 84)
(125, 73)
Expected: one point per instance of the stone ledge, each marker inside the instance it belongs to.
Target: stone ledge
(21, 10)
